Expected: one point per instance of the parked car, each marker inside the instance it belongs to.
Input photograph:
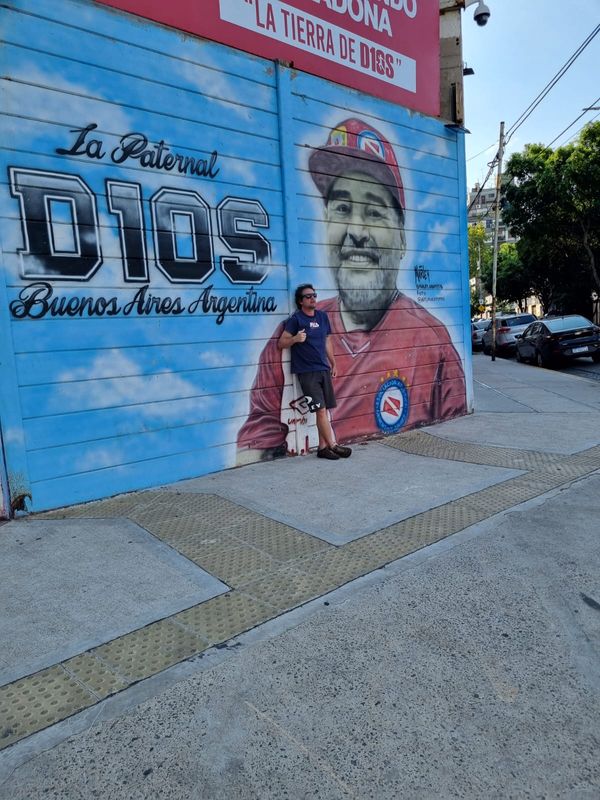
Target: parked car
(477, 330)
(552, 339)
(508, 327)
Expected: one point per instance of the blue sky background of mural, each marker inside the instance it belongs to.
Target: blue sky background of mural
(100, 379)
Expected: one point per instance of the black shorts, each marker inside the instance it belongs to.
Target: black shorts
(318, 389)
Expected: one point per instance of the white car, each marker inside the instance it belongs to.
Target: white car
(477, 330)
(508, 327)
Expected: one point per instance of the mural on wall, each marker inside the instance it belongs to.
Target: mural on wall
(397, 367)
(62, 240)
(162, 197)
(142, 248)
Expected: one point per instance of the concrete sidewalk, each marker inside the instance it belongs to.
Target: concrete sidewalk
(108, 594)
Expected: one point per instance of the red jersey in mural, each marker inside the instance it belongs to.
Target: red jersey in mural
(402, 373)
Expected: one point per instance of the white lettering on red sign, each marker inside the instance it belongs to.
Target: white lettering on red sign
(282, 22)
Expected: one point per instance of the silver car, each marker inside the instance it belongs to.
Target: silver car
(477, 330)
(508, 327)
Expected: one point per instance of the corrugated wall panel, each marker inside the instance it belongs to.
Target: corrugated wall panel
(111, 403)
(157, 210)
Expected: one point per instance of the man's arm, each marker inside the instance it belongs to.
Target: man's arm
(289, 340)
(330, 356)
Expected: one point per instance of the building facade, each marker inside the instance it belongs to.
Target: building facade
(160, 202)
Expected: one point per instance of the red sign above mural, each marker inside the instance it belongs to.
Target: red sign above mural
(388, 48)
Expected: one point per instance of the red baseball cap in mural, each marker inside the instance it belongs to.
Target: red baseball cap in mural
(356, 146)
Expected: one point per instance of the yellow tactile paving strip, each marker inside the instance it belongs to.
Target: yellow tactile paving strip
(270, 567)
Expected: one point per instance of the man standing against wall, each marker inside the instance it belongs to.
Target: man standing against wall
(396, 365)
(307, 334)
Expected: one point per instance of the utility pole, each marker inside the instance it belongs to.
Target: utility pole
(496, 221)
(479, 283)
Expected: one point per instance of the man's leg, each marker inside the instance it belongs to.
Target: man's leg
(326, 437)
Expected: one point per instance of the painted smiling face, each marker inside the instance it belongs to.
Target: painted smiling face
(366, 243)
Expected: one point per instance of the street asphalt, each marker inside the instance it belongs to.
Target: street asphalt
(421, 620)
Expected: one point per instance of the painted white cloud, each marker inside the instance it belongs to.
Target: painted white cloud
(127, 388)
(244, 170)
(212, 358)
(439, 237)
(221, 89)
(69, 102)
(435, 146)
(99, 459)
(14, 436)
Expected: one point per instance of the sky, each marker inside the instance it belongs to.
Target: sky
(520, 50)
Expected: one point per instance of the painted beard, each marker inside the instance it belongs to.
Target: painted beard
(366, 278)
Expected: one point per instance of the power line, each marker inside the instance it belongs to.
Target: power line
(583, 113)
(486, 179)
(485, 149)
(578, 131)
(535, 103)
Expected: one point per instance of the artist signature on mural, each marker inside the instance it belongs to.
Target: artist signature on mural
(425, 288)
(136, 146)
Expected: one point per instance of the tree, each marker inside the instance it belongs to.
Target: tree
(480, 249)
(513, 284)
(582, 185)
(480, 258)
(553, 207)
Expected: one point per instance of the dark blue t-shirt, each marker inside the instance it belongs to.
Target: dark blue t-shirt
(310, 355)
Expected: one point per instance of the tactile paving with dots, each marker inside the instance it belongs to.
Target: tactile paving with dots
(149, 650)
(203, 544)
(208, 510)
(573, 468)
(248, 553)
(225, 616)
(424, 444)
(416, 532)
(278, 540)
(95, 675)
(508, 494)
(120, 506)
(592, 452)
(230, 564)
(334, 568)
(174, 529)
(32, 703)
(284, 588)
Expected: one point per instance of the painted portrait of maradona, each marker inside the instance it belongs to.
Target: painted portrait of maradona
(397, 367)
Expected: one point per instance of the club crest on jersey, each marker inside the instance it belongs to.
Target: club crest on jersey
(391, 405)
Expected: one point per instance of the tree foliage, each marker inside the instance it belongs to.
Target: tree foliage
(513, 284)
(480, 249)
(553, 207)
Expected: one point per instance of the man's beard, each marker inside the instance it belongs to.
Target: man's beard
(366, 293)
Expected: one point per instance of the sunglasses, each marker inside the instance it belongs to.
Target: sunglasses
(308, 296)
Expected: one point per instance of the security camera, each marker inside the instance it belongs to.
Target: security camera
(482, 14)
